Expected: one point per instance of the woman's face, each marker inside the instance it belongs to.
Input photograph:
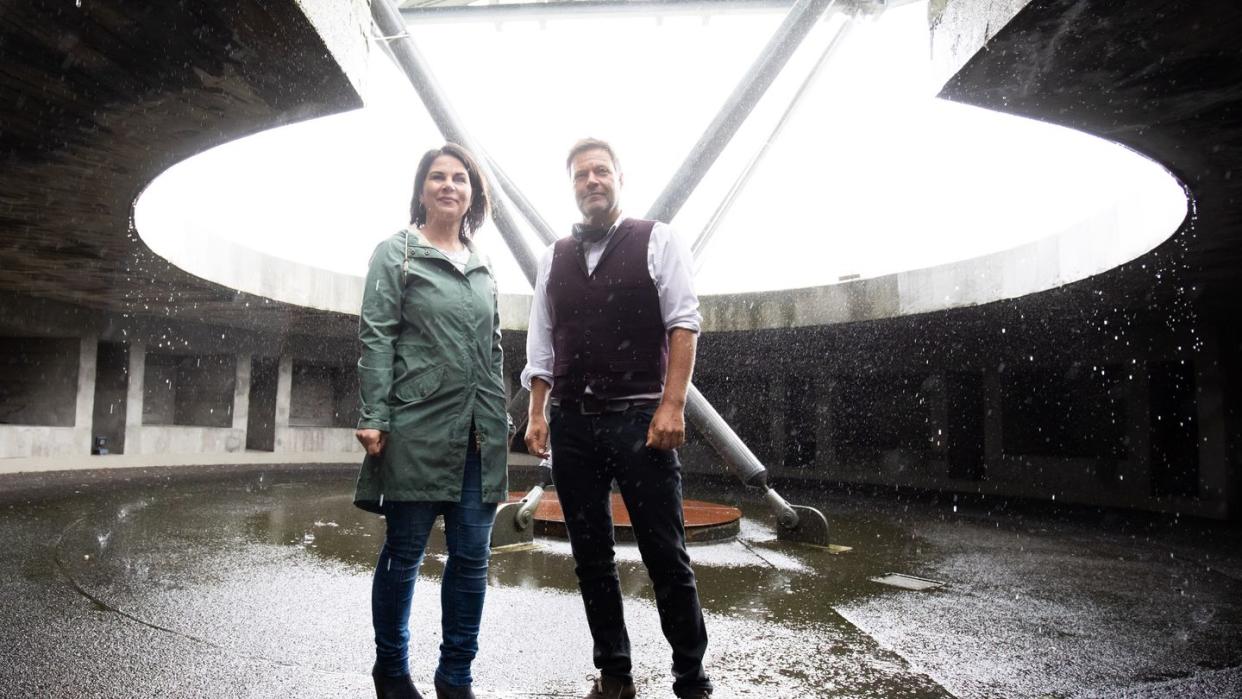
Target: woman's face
(446, 191)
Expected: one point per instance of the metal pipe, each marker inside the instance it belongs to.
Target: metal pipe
(703, 155)
(542, 228)
(717, 432)
(526, 513)
(415, 67)
(734, 451)
(785, 515)
(744, 177)
(788, 36)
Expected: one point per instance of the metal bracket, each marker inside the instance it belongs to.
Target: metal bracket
(812, 527)
(513, 525)
(805, 525)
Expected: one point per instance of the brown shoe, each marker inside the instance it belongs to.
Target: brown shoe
(606, 687)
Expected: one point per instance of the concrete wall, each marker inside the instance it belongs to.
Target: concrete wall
(317, 439)
(1067, 433)
(171, 439)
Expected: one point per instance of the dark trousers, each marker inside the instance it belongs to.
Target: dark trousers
(589, 452)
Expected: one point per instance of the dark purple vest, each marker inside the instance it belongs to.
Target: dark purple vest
(608, 331)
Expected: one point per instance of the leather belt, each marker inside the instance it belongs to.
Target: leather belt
(590, 405)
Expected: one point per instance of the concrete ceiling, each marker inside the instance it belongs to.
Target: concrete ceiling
(99, 100)
(1163, 78)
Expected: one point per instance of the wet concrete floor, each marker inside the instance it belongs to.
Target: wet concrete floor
(247, 582)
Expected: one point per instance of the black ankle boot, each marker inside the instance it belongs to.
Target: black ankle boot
(394, 687)
(448, 691)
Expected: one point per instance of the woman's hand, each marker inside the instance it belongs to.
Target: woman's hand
(372, 440)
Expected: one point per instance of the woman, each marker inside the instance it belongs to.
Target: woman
(433, 417)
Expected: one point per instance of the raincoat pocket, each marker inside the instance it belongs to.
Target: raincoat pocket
(418, 387)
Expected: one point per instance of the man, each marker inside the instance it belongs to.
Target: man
(613, 330)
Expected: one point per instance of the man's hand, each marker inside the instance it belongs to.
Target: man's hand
(537, 436)
(372, 440)
(668, 427)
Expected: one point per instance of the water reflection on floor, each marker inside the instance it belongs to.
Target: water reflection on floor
(274, 568)
(280, 568)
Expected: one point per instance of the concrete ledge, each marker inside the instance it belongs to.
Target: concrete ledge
(39, 441)
(247, 458)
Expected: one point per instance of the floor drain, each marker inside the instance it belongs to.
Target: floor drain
(907, 582)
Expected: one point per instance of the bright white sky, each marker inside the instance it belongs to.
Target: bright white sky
(871, 176)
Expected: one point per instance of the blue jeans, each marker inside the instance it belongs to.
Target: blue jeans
(467, 530)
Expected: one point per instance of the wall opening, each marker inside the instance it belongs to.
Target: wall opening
(111, 389)
(1073, 412)
(323, 395)
(261, 420)
(39, 381)
(964, 431)
(189, 390)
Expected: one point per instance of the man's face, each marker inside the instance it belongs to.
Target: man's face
(597, 185)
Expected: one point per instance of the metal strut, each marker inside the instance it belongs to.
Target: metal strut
(797, 523)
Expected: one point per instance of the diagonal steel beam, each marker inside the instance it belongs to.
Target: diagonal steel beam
(743, 178)
(415, 67)
(542, 228)
(797, 523)
(788, 36)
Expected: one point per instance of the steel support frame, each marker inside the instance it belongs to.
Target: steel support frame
(743, 178)
(415, 67)
(758, 78)
(796, 523)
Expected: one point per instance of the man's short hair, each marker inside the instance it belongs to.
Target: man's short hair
(586, 144)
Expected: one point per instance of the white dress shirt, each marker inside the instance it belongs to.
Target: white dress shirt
(668, 262)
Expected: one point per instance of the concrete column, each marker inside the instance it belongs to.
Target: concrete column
(284, 398)
(134, 392)
(241, 394)
(84, 409)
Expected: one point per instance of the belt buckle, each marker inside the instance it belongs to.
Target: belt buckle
(591, 405)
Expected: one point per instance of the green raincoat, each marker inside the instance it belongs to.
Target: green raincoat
(431, 362)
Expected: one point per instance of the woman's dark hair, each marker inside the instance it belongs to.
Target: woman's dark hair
(480, 203)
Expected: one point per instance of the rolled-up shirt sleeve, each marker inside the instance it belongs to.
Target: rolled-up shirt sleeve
(670, 264)
(539, 355)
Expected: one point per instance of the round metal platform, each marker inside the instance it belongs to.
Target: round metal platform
(705, 521)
